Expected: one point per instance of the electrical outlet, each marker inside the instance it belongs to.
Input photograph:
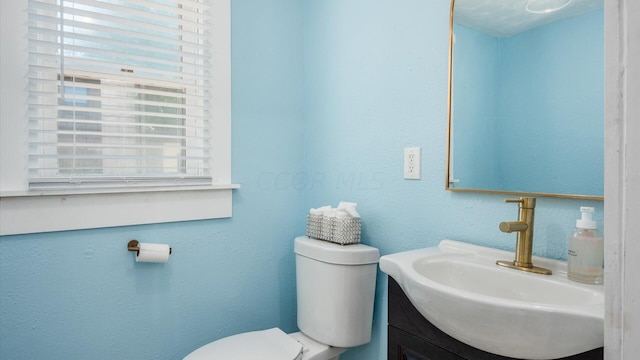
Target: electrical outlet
(412, 163)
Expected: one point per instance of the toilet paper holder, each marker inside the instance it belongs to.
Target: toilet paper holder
(133, 246)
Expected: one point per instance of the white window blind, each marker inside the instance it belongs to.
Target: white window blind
(119, 93)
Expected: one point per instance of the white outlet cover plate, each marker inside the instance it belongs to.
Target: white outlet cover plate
(412, 163)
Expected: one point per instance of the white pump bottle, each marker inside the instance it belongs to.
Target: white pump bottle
(586, 250)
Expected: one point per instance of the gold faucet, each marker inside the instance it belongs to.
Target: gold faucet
(524, 240)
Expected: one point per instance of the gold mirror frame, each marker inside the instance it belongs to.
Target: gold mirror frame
(449, 134)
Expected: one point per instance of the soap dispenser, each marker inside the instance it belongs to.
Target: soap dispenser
(586, 250)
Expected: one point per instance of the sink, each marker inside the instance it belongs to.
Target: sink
(459, 288)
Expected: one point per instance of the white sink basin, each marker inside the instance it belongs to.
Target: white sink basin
(459, 288)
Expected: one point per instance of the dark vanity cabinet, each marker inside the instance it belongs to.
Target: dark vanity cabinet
(412, 337)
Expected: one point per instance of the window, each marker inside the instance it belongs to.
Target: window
(69, 160)
(131, 82)
(97, 133)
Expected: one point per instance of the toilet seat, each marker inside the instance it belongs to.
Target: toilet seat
(271, 344)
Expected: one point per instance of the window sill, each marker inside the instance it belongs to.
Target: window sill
(122, 190)
(23, 212)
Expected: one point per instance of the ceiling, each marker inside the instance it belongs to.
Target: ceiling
(504, 18)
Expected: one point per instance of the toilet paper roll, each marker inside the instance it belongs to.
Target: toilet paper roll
(158, 253)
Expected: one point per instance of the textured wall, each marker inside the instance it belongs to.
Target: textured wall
(326, 94)
(376, 81)
(80, 295)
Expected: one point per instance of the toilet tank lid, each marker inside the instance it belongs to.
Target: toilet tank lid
(271, 344)
(354, 254)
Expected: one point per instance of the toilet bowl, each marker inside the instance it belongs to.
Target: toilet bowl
(271, 344)
(335, 292)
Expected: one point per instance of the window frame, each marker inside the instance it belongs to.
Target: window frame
(94, 208)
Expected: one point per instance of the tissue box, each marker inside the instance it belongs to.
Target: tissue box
(343, 231)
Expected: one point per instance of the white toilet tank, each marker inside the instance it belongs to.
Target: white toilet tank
(336, 287)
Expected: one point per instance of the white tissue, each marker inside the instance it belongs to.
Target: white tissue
(343, 211)
(158, 253)
(350, 208)
(346, 204)
(320, 211)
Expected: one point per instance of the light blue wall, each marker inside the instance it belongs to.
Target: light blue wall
(326, 94)
(80, 295)
(376, 82)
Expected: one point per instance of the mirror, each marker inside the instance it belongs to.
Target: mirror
(526, 97)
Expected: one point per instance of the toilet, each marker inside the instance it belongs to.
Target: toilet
(335, 290)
